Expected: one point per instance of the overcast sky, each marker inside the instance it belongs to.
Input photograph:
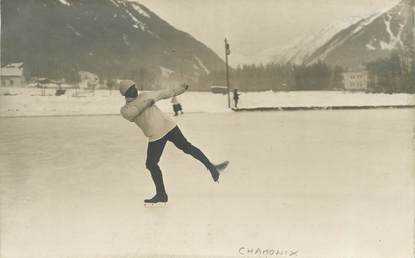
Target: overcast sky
(256, 25)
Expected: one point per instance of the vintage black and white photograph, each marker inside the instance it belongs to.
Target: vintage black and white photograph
(207, 129)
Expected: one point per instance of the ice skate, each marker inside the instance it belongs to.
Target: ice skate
(221, 166)
(158, 200)
(217, 169)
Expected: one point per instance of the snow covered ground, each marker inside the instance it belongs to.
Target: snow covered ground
(29, 102)
(324, 184)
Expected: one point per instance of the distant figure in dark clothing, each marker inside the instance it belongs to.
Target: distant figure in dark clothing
(236, 97)
(177, 107)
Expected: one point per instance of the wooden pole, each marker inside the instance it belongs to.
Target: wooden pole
(412, 8)
(227, 72)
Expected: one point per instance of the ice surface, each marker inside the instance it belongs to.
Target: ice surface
(323, 183)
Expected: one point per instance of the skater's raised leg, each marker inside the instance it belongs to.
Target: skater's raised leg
(142, 110)
(178, 139)
(154, 151)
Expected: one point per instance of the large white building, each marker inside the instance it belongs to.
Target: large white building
(356, 80)
(11, 75)
(88, 80)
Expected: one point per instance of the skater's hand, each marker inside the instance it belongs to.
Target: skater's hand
(149, 102)
(185, 86)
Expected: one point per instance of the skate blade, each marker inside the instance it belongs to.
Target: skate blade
(155, 205)
(222, 166)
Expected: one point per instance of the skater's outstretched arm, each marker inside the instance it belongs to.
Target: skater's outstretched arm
(168, 93)
(130, 112)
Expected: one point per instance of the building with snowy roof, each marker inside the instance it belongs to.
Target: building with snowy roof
(356, 79)
(11, 75)
(88, 80)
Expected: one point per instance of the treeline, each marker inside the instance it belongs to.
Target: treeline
(392, 75)
(147, 78)
(277, 77)
(395, 74)
(388, 75)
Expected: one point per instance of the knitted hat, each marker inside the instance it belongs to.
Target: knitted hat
(124, 85)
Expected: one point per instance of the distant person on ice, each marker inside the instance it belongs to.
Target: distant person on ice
(235, 97)
(159, 128)
(177, 107)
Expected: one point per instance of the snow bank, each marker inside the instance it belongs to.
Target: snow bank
(30, 102)
(64, 2)
(323, 99)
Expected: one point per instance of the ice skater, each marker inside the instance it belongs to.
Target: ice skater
(160, 128)
(236, 97)
(177, 107)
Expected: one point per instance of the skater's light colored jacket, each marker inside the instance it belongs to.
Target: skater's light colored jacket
(174, 100)
(153, 122)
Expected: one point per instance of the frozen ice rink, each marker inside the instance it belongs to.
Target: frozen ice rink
(315, 184)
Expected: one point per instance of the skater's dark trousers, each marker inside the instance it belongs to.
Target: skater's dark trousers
(155, 149)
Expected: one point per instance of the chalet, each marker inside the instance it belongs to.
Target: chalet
(356, 80)
(11, 75)
(88, 80)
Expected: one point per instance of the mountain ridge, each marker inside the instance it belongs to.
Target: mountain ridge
(112, 38)
(365, 40)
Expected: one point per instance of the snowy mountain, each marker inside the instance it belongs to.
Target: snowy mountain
(302, 48)
(362, 41)
(112, 38)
